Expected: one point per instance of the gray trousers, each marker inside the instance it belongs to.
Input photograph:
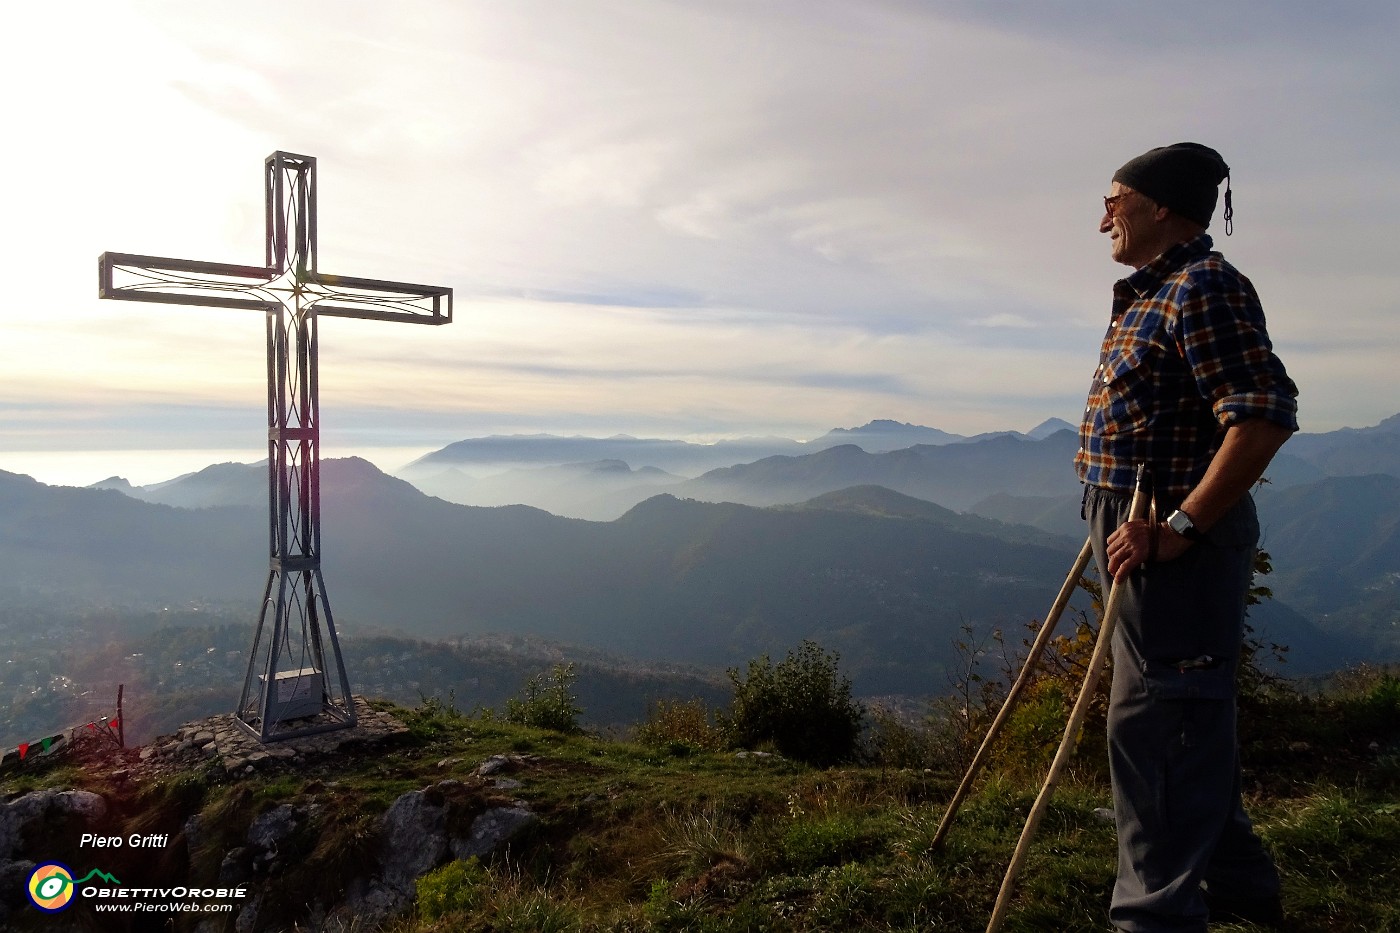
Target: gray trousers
(1173, 750)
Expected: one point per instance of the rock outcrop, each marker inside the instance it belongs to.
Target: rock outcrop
(415, 836)
(25, 822)
(254, 844)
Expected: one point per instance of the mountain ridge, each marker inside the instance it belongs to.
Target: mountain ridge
(886, 580)
(712, 584)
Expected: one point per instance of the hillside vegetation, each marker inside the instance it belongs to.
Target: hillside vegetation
(673, 830)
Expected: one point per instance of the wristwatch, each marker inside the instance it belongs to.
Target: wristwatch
(1181, 523)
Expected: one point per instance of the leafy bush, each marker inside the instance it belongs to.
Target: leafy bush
(675, 724)
(802, 707)
(1036, 727)
(549, 702)
(434, 716)
(1366, 714)
(962, 718)
(1377, 702)
(893, 743)
(1258, 680)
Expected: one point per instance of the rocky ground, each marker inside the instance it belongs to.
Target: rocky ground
(243, 844)
(239, 751)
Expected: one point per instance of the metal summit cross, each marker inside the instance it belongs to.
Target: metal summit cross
(289, 689)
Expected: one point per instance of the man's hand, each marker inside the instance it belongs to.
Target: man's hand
(1130, 546)
(1244, 453)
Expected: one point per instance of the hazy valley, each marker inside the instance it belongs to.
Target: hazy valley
(878, 551)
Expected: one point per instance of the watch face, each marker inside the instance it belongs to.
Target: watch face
(1180, 523)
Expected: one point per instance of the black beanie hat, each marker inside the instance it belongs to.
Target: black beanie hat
(1182, 177)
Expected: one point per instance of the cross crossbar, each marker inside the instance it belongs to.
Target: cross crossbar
(133, 277)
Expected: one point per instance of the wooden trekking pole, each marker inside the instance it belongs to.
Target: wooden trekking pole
(1076, 723)
(1042, 639)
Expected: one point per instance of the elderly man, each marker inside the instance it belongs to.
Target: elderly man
(1188, 385)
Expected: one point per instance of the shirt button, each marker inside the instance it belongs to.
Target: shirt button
(1106, 380)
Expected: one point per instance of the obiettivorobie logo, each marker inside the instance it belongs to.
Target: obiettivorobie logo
(52, 885)
(52, 888)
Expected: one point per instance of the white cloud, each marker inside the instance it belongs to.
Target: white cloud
(1004, 320)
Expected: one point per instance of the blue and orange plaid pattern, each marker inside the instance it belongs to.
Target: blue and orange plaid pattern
(1186, 356)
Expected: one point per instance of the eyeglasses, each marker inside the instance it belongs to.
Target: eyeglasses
(1110, 203)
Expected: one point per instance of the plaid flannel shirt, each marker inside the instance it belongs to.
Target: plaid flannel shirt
(1185, 357)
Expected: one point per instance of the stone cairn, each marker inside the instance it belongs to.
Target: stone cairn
(240, 753)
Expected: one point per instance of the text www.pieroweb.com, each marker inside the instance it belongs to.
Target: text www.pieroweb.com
(164, 900)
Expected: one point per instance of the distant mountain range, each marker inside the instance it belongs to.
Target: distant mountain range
(601, 478)
(881, 554)
(885, 579)
(215, 485)
(1017, 478)
(684, 457)
(953, 470)
(953, 475)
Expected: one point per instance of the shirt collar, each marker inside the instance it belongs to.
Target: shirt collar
(1146, 279)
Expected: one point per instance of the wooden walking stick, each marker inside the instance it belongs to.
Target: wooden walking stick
(1076, 722)
(1042, 639)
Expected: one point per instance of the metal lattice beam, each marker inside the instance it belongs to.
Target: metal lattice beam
(288, 665)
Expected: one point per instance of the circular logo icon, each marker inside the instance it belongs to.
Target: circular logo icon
(51, 887)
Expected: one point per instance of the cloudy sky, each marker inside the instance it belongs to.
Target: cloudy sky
(667, 218)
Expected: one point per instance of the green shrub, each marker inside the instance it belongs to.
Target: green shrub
(434, 717)
(960, 720)
(549, 702)
(674, 725)
(1034, 730)
(460, 886)
(894, 743)
(1379, 706)
(802, 707)
(661, 908)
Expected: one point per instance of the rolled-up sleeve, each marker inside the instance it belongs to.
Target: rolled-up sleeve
(1222, 336)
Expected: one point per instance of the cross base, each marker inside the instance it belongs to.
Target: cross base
(293, 687)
